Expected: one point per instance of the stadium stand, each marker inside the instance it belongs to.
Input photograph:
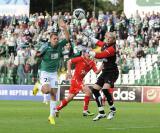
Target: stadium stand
(138, 45)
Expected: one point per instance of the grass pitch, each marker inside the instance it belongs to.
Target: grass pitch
(31, 117)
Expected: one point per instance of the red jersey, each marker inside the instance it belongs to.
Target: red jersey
(82, 67)
(108, 54)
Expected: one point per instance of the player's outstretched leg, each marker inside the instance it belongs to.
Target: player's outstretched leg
(51, 120)
(87, 92)
(45, 100)
(98, 99)
(62, 104)
(36, 88)
(112, 112)
(46, 89)
(111, 115)
(86, 112)
(52, 112)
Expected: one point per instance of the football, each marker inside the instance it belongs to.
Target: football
(79, 14)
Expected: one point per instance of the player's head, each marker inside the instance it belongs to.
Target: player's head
(85, 53)
(110, 38)
(54, 39)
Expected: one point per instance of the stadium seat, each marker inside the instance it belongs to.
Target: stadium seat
(136, 64)
(137, 74)
(124, 78)
(142, 63)
(154, 58)
(143, 71)
(131, 79)
(142, 59)
(118, 82)
(148, 57)
(143, 80)
(131, 72)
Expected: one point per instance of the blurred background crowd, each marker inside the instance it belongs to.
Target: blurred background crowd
(138, 40)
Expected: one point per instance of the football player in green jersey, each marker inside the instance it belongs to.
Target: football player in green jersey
(50, 55)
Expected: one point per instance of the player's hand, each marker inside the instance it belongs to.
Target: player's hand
(68, 76)
(92, 54)
(62, 24)
(86, 33)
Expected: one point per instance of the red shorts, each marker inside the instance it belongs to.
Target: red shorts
(76, 86)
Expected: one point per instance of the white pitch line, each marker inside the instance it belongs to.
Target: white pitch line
(140, 127)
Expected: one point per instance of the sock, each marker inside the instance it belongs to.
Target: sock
(112, 108)
(45, 98)
(109, 99)
(86, 103)
(98, 99)
(52, 107)
(63, 103)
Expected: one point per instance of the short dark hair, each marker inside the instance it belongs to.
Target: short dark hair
(53, 33)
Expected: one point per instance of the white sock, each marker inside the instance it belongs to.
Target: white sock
(100, 109)
(45, 98)
(52, 107)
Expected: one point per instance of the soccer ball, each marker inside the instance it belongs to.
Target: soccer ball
(79, 14)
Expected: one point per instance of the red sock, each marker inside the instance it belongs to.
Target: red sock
(63, 103)
(86, 102)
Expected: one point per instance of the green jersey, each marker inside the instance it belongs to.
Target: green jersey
(51, 56)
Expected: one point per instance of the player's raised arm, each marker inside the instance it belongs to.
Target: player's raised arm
(63, 25)
(97, 42)
(104, 54)
(93, 40)
(108, 48)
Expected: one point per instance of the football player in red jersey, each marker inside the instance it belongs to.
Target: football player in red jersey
(108, 76)
(83, 65)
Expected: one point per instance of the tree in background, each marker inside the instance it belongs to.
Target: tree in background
(65, 5)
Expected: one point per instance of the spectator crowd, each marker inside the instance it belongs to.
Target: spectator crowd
(22, 36)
